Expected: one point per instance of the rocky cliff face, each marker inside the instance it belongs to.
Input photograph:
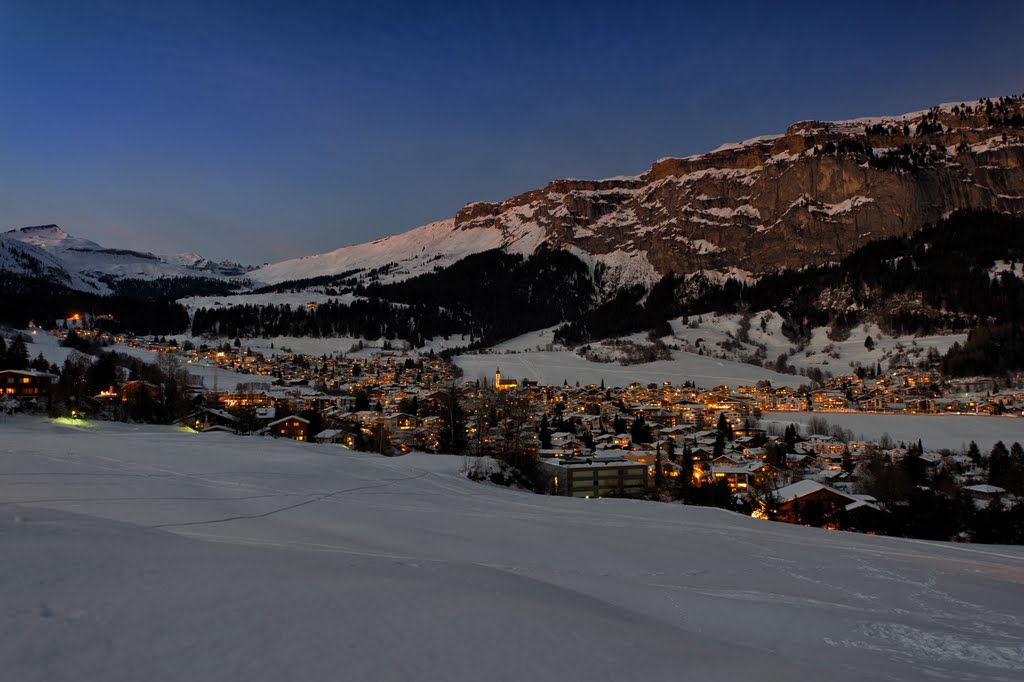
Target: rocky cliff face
(809, 196)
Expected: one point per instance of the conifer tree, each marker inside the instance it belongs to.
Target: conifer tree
(17, 354)
(545, 433)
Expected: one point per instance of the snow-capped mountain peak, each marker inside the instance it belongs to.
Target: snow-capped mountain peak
(51, 238)
(192, 260)
(52, 252)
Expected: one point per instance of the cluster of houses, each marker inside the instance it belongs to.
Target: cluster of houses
(816, 470)
(905, 391)
(397, 398)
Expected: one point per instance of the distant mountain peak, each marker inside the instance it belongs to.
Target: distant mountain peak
(191, 259)
(49, 250)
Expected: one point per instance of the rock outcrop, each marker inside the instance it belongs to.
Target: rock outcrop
(809, 196)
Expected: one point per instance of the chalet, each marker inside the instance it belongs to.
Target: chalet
(832, 476)
(209, 419)
(597, 476)
(419, 438)
(755, 453)
(25, 383)
(786, 399)
(367, 418)
(702, 453)
(825, 445)
(921, 405)
(830, 400)
(134, 390)
(872, 404)
(702, 439)
(675, 433)
(811, 502)
(984, 493)
(798, 460)
(830, 460)
(741, 476)
(335, 437)
(294, 427)
(400, 421)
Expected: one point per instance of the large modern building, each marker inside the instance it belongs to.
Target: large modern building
(597, 476)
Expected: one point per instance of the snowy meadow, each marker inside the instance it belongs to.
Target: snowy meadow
(144, 552)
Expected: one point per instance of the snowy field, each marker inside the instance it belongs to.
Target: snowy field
(837, 357)
(40, 341)
(293, 299)
(934, 431)
(225, 379)
(149, 553)
(553, 367)
(49, 346)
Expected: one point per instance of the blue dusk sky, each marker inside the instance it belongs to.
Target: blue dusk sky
(258, 131)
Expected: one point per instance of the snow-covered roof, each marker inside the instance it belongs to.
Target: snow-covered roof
(28, 373)
(284, 419)
(985, 488)
(596, 462)
(328, 433)
(806, 487)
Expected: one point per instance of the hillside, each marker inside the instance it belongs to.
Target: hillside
(147, 552)
(953, 285)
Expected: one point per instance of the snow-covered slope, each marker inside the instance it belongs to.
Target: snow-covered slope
(136, 552)
(555, 366)
(408, 254)
(436, 245)
(24, 258)
(82, 264)
(759, 336)
(935, 431)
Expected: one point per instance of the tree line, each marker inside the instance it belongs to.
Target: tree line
(946, 270)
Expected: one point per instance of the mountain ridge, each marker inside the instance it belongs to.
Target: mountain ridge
(49, 251)
(805, 197)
